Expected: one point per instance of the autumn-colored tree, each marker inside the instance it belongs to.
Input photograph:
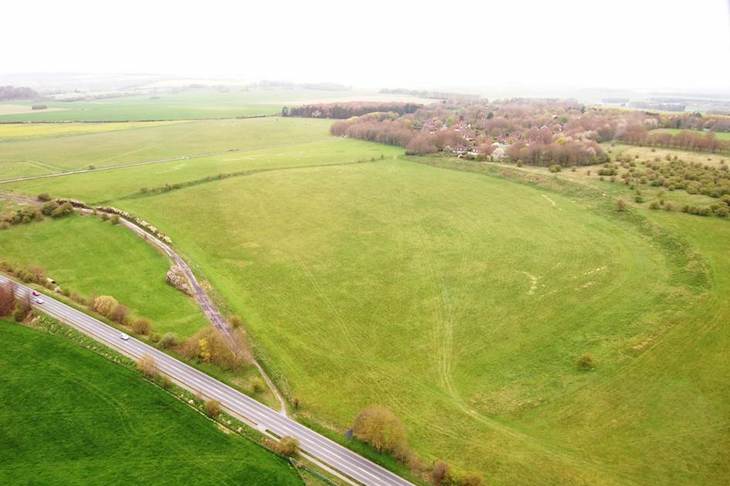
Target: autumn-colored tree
(288, 446)
(7, 298)
(379, 427)
(147, 366)
(204, 350)
(212, 408)
(104, 304)
(141, 326)
(119, 313)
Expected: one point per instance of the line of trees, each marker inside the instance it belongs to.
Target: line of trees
(685, 139)
(348, 109)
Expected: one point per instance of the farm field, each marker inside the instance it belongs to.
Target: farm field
(185, 104)
(90, 257)
(28, 131)
(179, 152)
(461, 301)
(70, 416)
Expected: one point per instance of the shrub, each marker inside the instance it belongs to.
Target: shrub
(104, 304)
(141, 326)
(379, 427)
(639, 198)
(63, 210)
(586, 363)
(213, 408)
(115, 219)
(22, 310)
(555, 168)
(49, 207)
(235, 321)
(654, 205)
(210, 346)
(43, 197)
(288, 446)
(119, 314)
(169, 340)
(257, 385)
(104, 217)
(147, 366)
(620, 205)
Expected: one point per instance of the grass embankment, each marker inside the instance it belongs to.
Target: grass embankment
(90, 257)
(71, 416)
(485, 291)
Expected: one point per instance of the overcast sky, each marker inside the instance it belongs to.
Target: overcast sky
(651, 44)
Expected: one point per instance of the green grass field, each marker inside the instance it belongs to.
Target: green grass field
(70, 416)
(91, 257)
(175, 153)
(460, 300)
(186, 104)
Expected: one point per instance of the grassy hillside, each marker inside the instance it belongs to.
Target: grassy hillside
(175, 153)
(487, 292)
(70, 416)
(462, 301)
(91, 257)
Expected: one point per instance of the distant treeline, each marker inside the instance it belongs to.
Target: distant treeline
(349, 109)
(9, 93)
(687, 140)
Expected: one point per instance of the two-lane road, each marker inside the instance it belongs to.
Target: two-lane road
(316, 446)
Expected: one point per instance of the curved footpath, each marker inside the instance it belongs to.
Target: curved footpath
(319, 449)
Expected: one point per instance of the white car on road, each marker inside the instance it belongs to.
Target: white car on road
(124, 337)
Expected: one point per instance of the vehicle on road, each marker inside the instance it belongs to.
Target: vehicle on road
(124, 336)
(38, 300)
(35, 293)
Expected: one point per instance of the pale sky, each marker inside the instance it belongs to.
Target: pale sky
(649, 44)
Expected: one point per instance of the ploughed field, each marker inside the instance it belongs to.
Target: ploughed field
(461, 301)
(70, 416)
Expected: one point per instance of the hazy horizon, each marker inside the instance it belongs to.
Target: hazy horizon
(650, 46)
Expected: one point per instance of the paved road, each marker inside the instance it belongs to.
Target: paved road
(203, 299)
(237, 404)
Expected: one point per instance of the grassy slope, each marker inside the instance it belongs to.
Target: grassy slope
(384, 263)
(91, 257)
(70, 416)
(402, 267)
(260, 143)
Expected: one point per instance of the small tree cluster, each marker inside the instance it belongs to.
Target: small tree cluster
(147, 366)
(287, 446)
(382, 429)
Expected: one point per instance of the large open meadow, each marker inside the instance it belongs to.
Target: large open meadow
(462, 301)
(70, 416)
(185, 103)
